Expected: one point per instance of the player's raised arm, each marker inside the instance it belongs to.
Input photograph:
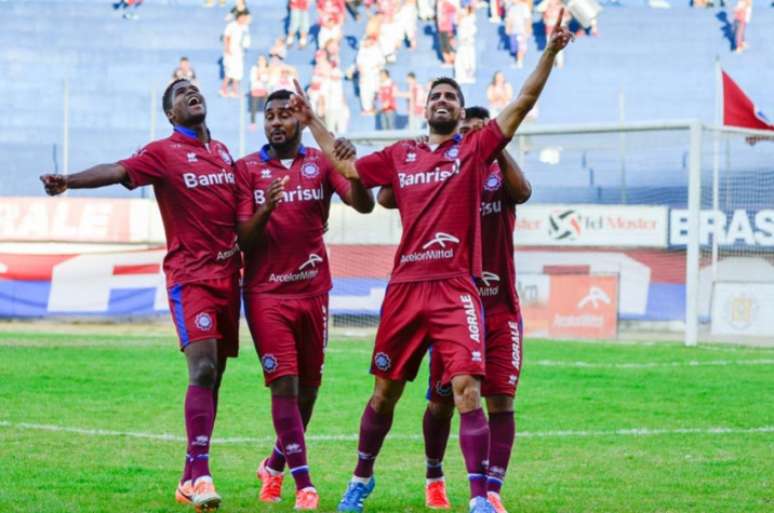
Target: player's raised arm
(97, 176)
(515, 112)
(357, 196)
(516, 184)
(306, 116)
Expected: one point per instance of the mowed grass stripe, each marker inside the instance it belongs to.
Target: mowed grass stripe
(120, 387)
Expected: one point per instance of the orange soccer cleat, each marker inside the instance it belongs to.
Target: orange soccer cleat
(184, 492)
(307, 499)
(205, 498)
(271, 484)
(435, 495)
(496, 502)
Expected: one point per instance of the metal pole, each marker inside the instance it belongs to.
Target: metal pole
(622, 147)
(242, 107)
(66, 130)
(153, 114)
(692, 250)
(716, 165)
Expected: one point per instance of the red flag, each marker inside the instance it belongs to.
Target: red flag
(739, 110)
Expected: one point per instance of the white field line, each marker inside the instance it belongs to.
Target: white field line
(610, 365)
(165, 437)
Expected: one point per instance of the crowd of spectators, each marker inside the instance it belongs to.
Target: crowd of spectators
(391, 26)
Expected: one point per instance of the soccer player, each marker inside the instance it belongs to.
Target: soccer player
(504, 188)
(193, 178)
(431, 299)
(284, 195)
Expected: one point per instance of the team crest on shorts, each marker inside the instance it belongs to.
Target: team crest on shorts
(493, 182)
(225, 156)
(269, 362)
(203, 321)
(310, 170)
(452, 153)
(382, 361)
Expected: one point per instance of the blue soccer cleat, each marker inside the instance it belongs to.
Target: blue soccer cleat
(481, 505)
(356, 494)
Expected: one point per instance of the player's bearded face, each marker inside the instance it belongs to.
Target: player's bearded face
(443, 109)
(188, 107)
(280, 125)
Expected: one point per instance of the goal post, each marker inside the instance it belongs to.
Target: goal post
(634, 198)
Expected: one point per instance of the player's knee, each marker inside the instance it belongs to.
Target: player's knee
(286, 386)
(467, 393)
(441, 410)
(203, 373)
(499, 404)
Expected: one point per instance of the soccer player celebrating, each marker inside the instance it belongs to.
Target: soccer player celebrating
(192, 176)
(284, 195)
(505, 187)
(431, 299)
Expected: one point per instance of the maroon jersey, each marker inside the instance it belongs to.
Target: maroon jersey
(291, 259)
(196, 192)
(497, 285)
(438, 194)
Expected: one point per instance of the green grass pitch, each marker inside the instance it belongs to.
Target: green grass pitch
(604, 428)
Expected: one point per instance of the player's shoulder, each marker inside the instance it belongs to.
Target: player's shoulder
(249, 161)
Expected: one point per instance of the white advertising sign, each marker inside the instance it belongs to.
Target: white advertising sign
(591, 225)
(739, 227)
(740, 308)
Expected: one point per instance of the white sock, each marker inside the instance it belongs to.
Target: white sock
(363, 480)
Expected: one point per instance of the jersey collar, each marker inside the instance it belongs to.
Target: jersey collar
(182, 133)
(265, 156)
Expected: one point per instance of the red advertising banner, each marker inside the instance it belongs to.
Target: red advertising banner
(571, 306)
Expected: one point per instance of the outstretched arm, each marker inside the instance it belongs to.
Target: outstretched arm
(516, 184)
(515, 112)
(97, 176)
(343, 161)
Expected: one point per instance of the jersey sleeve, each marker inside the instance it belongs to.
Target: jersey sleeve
(489, 141)
(376, 168)
(145, 167)
(244, 192)
(338, 183)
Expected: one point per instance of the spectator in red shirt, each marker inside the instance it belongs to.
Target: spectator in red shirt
(388, 105)
(299, 22)
(447, 13)
(331, 14)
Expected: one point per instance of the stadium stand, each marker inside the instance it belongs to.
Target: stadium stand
(663, 64)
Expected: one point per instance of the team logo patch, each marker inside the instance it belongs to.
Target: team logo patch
(411, 157)
(452, 153)
(269, 362)
(203, 321)
(382, 361)
(266, 173)
(191, 157)
(225, 156)
(443, 390)
(310, 170)
(493, 182)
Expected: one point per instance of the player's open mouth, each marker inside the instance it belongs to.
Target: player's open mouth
(194, 100)
(442, 111)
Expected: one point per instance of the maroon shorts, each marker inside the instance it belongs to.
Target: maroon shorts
(442, 314)
(504, 335)
(290, 335)
(207, 309)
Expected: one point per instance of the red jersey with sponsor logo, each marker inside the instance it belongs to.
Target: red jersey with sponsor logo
(438, 194)
(497, 285)
(196, 191)
(291, 259)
